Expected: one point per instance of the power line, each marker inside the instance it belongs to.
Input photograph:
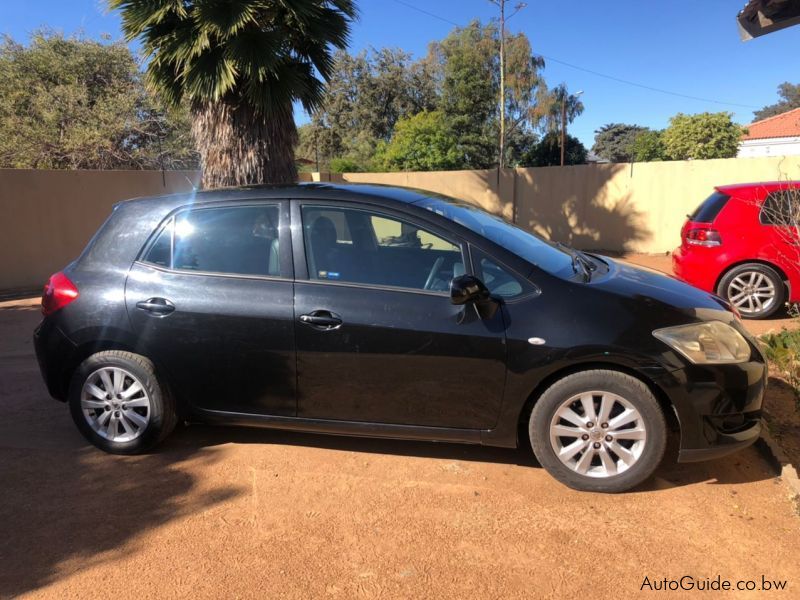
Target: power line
(425, 12)
(592, 72)
(644, 87)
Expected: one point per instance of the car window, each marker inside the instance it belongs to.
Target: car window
(500, 279)
(710, 208)
(360, 246)
(239, 240)
(526, 245)
(781, 208)
(160, 252)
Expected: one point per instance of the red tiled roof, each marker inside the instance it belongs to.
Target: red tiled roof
(783, 125)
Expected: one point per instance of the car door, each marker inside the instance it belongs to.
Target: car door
(378, 339)
(210, 301)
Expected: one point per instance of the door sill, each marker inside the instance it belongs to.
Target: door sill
(353, 428)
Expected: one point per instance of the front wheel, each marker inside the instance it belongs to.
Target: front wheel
(119, 404)
(599, 430)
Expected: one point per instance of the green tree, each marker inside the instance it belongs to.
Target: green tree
(702, 136)
(423, 142)
(547, 153)
(240, 65)
(72, 103)
(469, 91)
(366, 96)
(790, 99)
(648, 146)
(550, 107)
(614, 141)
(468, 68)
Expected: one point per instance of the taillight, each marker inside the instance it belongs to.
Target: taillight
(58, 292)
(702, 236)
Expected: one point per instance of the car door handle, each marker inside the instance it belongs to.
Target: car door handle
(157, 306)
(322, 319)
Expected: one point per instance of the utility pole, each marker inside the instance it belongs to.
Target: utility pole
(564, 97)
(563, 127)
(501, 4)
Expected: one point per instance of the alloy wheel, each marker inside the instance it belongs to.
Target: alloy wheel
(752, 292)
(598, 434)
(115, 404)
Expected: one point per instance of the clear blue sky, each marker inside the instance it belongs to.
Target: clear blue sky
(689, 47)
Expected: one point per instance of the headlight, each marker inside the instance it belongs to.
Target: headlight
(711, 342)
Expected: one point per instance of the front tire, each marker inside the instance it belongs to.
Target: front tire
(119, 404)
(756, 290)
(598, 431)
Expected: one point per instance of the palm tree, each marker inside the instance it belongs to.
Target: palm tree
(240, 65)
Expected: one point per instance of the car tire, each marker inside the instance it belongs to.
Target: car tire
(761, 277)
(119, 404)
(603, 450)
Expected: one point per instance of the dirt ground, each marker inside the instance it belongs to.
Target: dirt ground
(237, 513)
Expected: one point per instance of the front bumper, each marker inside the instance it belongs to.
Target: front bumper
(718, 406)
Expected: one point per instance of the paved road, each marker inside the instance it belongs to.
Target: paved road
(227, 513)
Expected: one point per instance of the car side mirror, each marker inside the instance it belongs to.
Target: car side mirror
(466, 289)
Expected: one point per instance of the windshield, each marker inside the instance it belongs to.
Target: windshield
(531, 247)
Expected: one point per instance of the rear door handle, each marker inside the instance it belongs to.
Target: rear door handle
(156, 306)
(323, 320)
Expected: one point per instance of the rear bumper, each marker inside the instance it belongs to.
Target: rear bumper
(53, 350)
(696, 267)
(718, 406)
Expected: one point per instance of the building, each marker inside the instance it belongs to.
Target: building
(775, 136)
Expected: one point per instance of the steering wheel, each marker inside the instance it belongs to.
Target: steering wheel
(432, 275)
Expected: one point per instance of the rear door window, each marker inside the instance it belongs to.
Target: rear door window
(710, 208)
(240, 240)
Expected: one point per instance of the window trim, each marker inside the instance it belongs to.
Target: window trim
(172, 216)
(299, 247)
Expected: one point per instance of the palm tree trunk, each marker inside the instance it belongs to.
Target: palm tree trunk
(238, 147)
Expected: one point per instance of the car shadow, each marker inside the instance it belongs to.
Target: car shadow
(747, 466)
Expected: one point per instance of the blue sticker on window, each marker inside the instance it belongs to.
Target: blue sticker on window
(333, 275)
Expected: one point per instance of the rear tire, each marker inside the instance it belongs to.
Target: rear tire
(598, 431)
(119, 404)
(756, 290)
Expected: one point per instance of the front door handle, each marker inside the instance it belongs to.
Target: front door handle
(156, 306)
(323, 320)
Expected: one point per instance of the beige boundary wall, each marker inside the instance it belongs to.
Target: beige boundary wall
(47, 217)
(637, 207)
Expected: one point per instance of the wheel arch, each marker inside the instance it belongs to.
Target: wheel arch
(87, 349)
(759, 261)
(667, 408)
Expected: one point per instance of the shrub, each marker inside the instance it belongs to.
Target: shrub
(783, 350)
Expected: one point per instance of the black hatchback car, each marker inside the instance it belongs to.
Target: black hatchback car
(380, 311)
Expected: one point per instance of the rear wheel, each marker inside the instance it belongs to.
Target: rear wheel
(598, 430)
(118, 403)
(756, 290)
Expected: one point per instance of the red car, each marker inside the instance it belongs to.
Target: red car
(743, 244)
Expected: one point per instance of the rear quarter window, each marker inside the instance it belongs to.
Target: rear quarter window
(710, 208)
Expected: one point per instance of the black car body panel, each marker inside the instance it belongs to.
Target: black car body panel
(399, 363)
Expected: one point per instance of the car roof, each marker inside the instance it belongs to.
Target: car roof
(766, 185)
(323, 191)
